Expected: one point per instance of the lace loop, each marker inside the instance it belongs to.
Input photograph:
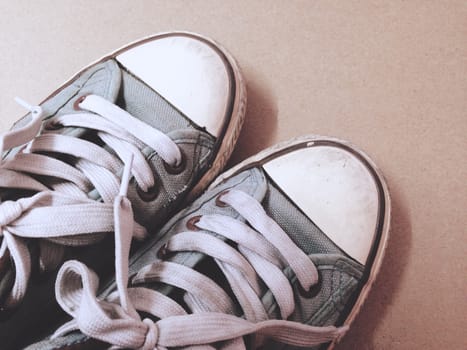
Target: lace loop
(9, 212)
(68, 168)
(212, 319)
(154, 138)
(77, 281)
(307, 274)
(152, 335)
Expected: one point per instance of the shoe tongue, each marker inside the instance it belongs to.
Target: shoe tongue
(144, 103)
(300, 228)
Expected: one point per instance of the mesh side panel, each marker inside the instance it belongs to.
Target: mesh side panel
(302, 230)
(325, 307)
(144, 103)
(170, 187)
(336, 286)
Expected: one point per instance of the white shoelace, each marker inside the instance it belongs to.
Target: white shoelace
(263, 251)
(62, 212)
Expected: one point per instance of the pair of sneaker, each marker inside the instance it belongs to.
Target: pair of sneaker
(105, 182)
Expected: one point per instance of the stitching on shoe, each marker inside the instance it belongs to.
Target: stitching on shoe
(185, 213)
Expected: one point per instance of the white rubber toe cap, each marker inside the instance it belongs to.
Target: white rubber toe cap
(336, 190)
(188, 71)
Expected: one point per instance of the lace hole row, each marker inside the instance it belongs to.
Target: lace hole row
(219, 202)
(149, 195)
(52, 124)
(78, 101)
(152, 193)
(312, 292)
(191, 223)
(176, 169)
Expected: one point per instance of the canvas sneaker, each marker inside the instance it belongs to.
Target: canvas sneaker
(168, 109)
(279, 253)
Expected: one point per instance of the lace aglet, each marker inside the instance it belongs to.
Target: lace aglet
(126, 176)
(23, 103)
(36, 111)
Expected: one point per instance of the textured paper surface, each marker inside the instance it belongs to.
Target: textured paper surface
(389, 76)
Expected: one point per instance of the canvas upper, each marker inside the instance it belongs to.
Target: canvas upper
(326, 304)
(108, 79)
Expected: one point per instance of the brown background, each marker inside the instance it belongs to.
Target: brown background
(390, 76)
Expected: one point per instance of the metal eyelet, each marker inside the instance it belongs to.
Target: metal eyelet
(219, 202)
(176, 169)
(149, 195)
(130, 279)
(77, 102)
(191, 223)
(312, 292)
(162, 252)
(52, 124)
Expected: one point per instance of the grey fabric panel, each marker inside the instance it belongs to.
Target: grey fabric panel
(339, 275)
(251, 181)
(339, 280)
(302, 230)
(105, 79)
(197, 148)
(144, 103)
(102, 79)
